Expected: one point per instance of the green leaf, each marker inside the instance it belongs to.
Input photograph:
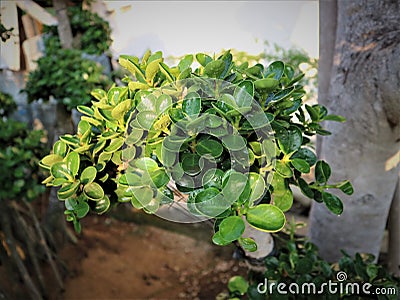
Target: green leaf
(210, 202)
(142, 196)
(60, 170)
(185, 62)
(68, 190)
(289, 140)
(70, 140)
(93, 191)
(128, 63)
(322, 172)
(237, 284)
(305, 154)
(99, 94)
(192, 104)
(146, 119)
(85, 110)
(209, 147)
(135, 85)
(88, 175)
(83, 128)
(266, 217)
(81, 209)
(163, 103)
(300, 165)
(115, 145)
(314, 115)
(145, 101)
(159, 178)
(58, 181)
(283, 169)
(277, 68)
(372, 272)
(231, 228)
(244, 93)
(218, 240)
(234, 184)
(306, 190)
(70, 204)
(190, 164)
(333, 203)
(266, 84)
(154, 56)
(283, 94)
(248, 244)
(102, 205)
(304, 265)
(203, 59)
(60, 148)
(296, 104)
(72, 161)
(51, 159)
(214, 69)
(152, 69)
(121, 109)
(335, 118)
(92, 121)
(146, 164)
(284, 199)
(257, 185)
(185, 74)
(77, 226)
(346, 187)
(134, 137)
(167, 72)
(213, 178)
(234, 142)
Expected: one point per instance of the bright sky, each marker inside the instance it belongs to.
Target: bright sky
(179, 27)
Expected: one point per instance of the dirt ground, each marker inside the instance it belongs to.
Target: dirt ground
(126, 260)
(133, 255)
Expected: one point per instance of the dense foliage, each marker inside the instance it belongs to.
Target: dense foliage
(91, 33)
(67, 76)
(296, 261)
(231, 137)
(20, 151)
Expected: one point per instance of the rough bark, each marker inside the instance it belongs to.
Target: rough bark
(64, 27)
(394, 233)
(365, 88)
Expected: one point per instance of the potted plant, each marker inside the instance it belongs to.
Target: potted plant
(233, 138)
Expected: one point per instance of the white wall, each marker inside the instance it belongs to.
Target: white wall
(179, 27)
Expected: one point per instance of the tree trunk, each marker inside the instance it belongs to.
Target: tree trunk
(394, 234)
(365, 88)
(55, 219)
(327, 39)
(64, 27)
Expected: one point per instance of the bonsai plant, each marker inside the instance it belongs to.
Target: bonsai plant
(234, 138)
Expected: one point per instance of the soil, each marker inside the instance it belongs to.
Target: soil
(125, 260)
(133, 255)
